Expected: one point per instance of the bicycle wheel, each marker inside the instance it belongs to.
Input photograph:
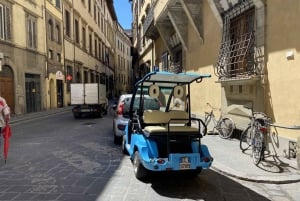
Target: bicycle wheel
(245, 140)
(257, 146)
(225, 127)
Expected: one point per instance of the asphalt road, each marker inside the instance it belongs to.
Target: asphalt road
(59, 158)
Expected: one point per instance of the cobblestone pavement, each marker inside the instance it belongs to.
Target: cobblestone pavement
(56, 158)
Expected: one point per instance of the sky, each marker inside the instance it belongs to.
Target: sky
(123, 11)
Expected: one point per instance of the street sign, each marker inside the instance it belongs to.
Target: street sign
(69, 77)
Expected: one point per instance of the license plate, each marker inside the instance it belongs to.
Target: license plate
(85, 110)
(185, 163)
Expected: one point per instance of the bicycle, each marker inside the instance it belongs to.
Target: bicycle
(224, 125)
(253, 136)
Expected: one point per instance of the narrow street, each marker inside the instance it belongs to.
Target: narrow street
(59, 158)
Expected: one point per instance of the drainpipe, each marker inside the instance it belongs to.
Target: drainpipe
(64, 50)
(73, 24)
(46, 56)
(153, 64)
(46, 39)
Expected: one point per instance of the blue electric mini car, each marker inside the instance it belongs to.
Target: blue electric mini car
(161, 135)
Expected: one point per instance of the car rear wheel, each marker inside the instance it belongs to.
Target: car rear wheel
(140, 171)
(116, 139)
(124, 150)
(76, 115)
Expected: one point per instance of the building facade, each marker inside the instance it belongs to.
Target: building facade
(45, 45)
(23, 55)
(89, 40)
(239, 44)
(123, 63)
(55, 76)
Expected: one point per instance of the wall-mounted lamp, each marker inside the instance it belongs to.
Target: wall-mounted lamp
(289, 55)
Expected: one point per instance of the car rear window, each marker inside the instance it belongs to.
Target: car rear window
(149, 104)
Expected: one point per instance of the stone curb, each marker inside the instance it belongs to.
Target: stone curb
(280, 179)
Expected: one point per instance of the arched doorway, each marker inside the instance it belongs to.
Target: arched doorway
(7, 86)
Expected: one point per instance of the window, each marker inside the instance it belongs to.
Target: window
(69, 74)
(165, 62)
(68, 23)
(236, 55)
(89, 6)
(92, 77)
(31, 32)
(57, 4)
(90, 44)
(95, 12)
(102, 24)
(85, 77)
(96, 47)
(58, 36)
(103, 52)
(5, 22)
(76, 31)
(50, 29)
(99, 51)
(50, 54)
(58, 57)
(98, 19)
(83, 38)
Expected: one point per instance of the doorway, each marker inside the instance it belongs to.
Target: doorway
(33, 93)
(60, 93)
(7, 87)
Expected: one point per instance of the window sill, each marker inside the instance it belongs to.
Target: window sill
(250, 79)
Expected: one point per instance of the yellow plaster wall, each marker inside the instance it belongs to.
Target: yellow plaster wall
(282, 94)
(200, 58)
(20, 8)
(147, 56)
(160, 49)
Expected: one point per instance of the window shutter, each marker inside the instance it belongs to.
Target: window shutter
(8, 23)
(34, 35)
(29, 40)
(1, 22)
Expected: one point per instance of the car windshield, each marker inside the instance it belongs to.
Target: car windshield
(149, 104)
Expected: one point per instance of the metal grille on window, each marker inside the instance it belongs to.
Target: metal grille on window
(236, 54)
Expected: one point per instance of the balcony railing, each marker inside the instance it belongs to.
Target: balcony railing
(149, 19)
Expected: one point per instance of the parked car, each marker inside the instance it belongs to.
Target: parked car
(122, 113)
(121, 117)
(164, 138)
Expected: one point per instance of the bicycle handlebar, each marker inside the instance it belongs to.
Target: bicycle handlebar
(213, 108)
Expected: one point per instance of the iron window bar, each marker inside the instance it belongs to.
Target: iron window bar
(236, 58)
